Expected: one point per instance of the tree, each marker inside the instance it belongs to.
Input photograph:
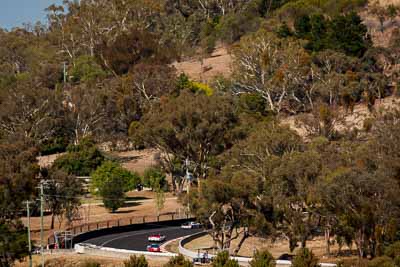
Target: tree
(191, 127)
(81, 159)
(111, 181)
(262, 259)
(63, 192)
(18, 172)
(349, 35)
(305, 258)
(13, 242)
(178, 261)
(159, 200)
(155, 179)
(135, 261)
(278, 70)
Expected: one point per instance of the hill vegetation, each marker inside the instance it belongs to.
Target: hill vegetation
(102, 71)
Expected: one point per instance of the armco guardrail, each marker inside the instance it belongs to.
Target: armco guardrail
(241, 260)
(119, 223)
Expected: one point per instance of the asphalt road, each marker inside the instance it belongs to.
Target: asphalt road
(137, 240)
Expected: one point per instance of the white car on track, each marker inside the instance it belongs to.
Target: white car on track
(156, 238)
(191, 225)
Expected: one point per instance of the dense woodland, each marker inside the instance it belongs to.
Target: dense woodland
(100, 71)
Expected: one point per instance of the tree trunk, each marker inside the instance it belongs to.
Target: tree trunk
(52, 221)
(328, 241)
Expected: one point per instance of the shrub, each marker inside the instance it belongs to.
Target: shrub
(179, 261)
(393, 250)
(135, 261)
(86, 69)
(305, 258)
(262, 259)
(222, 260)
(381, 262)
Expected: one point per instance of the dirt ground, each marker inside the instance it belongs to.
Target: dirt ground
(218, 64)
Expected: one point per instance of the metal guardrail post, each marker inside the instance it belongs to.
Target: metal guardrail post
(130, 220)
(108, 224)
(144, 220)
(118, 223)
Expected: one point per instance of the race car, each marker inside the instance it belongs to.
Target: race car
(156, 238)
(153, 248)
(190, 225)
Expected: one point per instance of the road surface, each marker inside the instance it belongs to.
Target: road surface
(137, 240)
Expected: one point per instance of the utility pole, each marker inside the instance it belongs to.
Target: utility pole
(29, 232)
(41, 220)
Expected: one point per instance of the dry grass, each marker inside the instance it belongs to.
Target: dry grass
(277, 248)
(72, 260)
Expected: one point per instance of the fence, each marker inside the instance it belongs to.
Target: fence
(135, 220)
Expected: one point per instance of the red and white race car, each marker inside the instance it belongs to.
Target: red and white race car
(153, 248)
(156, 238)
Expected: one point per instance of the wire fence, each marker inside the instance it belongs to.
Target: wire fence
(93, 226)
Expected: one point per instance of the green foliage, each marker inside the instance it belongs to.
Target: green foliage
(222, 260)
(184, 83)
(63, 184)
(344, 33)
(56, 145)
(111, 181)
(86, 69)
(13, 242)
(305, 258)
(262, 259)
(154, 178)
(393, 250)
(136, 261)
(381, 262)
(178, 261)
(81, 159)
(113, 171)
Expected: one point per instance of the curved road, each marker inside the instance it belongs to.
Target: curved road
(137, 240)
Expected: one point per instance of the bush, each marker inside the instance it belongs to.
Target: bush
(154, 178)
(179, 261)
(381, 262)
(305, 258)
(86, 69)
(393, 250)
(80, 160)
(135, 261)
(262, 259)
(222, 260)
